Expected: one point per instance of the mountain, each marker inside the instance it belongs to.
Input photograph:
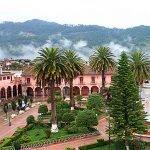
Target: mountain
(25, 39)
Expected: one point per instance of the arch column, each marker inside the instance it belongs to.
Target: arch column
(11, 92)
(6, 93)
(43, 92)
(34, 93)
(16, 91)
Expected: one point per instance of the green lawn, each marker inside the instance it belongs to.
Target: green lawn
(39, 134)
(104, 147)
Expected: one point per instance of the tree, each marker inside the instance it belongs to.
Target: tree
(79, 99)
(102, 60)
(20, 102)
(30, 119)
(68, 117)
(75, 66)
(50, 68)
(25, 100)
(95, 102)
(43, 109)
(140, 65)
(13, 105)
(126, 110)
(86, 118)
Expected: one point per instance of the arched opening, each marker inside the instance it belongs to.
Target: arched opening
(8, 92)
(47, 91)
(94, 89)
(76, 90)
(3, 94)
(66, 91)
(38, 91)
(29, 91)
(85, 91)
(14, 91)
(19, 90)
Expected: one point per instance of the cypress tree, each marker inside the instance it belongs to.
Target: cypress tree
(126, 110)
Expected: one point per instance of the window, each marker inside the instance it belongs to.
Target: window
(0, 78)
(81, 80)
(4, 78)
(92, 79)
(8, 77)
(28, 80)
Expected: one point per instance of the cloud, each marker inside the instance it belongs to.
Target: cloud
(30, 51)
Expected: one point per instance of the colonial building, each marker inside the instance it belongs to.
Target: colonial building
(10, 86)
(84, 84)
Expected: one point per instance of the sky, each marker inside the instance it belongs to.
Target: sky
(108, 13)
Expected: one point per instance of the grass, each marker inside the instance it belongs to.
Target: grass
(39, 134)
(105, 147)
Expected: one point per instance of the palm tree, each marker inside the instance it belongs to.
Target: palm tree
(75, 66)
(102, 60)
(140, 65)
(50, 68)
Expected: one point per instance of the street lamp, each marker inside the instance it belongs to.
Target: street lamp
(9, 108)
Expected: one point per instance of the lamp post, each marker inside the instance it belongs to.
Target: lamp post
(9, 122)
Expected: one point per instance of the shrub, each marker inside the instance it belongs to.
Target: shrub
(89, 146)
(68, 148)
(49, 100)
(20, 102)
(43, 109)
(82, 130)
(58, 93)
(68, 117)
(101, 142)
(95, 102)
(62, 105)
(5, 108)
(17, 145)
(25, 99)
(13, 105)
(86, 118)
(48, 133)
(58, 98)
(30, 119)
(71, 129)
(79, 99)
(31, 100)
(25, 139)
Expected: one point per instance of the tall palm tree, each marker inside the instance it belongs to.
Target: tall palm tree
(140, 65)
(102, 60)
(75, 66)
(50, 68)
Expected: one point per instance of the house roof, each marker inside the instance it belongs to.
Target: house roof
(28, 71)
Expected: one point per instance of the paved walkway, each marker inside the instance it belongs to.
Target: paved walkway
(19, 121)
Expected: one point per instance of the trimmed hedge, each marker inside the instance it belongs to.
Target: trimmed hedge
(7, 148)
(89, 146)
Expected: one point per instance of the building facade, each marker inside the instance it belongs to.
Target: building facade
(11, 86)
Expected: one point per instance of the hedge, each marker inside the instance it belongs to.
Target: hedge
(7, 148)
